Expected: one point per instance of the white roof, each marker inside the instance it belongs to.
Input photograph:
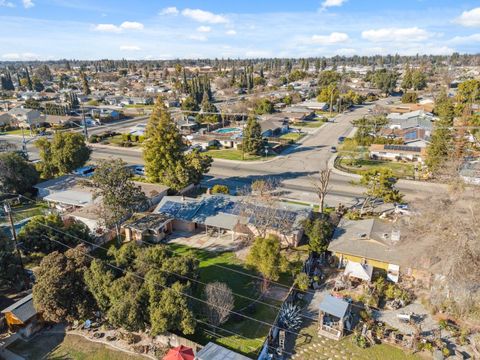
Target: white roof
(359, 271)
(71, 197)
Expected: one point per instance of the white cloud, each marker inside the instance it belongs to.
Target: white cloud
(231, 32)
(332, 3)
(171, 10)
(465, 39)
(18, 56)
(333, 38)
(204, 29)
(112, 28)
(5, 3)
(257, 54)
(204, 16)
(469, 18)
(27, 4)
(396, 34)
(346, 51)
(130, 48)
(107, 28)
(132, 25)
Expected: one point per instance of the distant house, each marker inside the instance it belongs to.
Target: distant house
(368, 242)
(187, 126)
(410, 120)
(298, 113)
(398, 152)
(26, 118)
(313, 105)
(212, 351)
(274, 125)
(6, 119)
(470, 172)
(334, 317)
(62, 120)
(21, 317)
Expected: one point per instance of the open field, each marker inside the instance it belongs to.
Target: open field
(62, 346)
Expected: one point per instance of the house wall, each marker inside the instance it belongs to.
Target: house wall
(183, 225)
(375, 263)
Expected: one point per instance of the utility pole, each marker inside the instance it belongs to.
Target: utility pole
(24, 143)
(8, 211)
(85, 131)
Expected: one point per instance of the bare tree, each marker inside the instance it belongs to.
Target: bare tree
(321, 185)
(219, 302)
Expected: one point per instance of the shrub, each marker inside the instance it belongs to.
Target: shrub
(220, 189)
(302, 281)
(141, 139)
(93, 139)
(126, 137)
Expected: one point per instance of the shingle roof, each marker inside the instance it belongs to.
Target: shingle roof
(23, 309)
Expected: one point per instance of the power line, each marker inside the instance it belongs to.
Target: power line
(270, 325)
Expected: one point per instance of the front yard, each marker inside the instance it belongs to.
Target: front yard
(233, 154)
(62, 346)
(293, 136)
(359, 166)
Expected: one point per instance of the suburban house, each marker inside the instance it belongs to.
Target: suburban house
(57, 120)
(313, 105)
(213, 351)
(147, 227)
(298, 114)
(411, 120)
(230, 215)
(26, 118)
(334, 317)
(398, 152)
(6, 119)
(274, 125)
(228, 141)
(368, 242)
(21, 317)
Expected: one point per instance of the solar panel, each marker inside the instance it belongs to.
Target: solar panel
(402, 148)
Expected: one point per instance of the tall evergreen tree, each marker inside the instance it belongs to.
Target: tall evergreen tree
(85, 85)
(252, 136)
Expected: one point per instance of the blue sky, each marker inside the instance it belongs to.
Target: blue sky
(88, 29)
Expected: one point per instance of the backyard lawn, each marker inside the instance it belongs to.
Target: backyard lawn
(61, 346)
(233, 154)
(253, 333)
(311, 346)
(400, 170)
(23, 212)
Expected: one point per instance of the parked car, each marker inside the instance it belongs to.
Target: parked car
(341, 139)
(139, 170)
(86, 171)
(333, 149)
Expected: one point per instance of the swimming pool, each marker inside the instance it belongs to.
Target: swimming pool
(228, 130)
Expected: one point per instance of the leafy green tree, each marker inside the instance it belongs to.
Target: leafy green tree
(10, 267)
(380, 184)
(263, 106)
(66, 152)
(368, 128)
(252, 136)
(407, 83)
(318, 232)
(440, 148)
(165, 160)
(85, 85)
(329, 94)
(469, 91)
(385, 80)
(60, 292)
(190, 104)
(16, 175)
(409, 97)
(266, 257)
(36, 236)
(98, 278)
(328, 77)
(118, 194)
(208, 110)
(220, 189)
(419, 79)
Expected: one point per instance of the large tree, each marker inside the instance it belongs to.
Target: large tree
(318, 232)
(10, 266)
(266, 257)
(252, 136)
(219, 302)
(36, 236)
(380, 185)
(60, 292)
(165, 159)
(119, 196)
(63, 154)
(16, 175)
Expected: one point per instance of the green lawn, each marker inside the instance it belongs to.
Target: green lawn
(254, 332)
(26, 211)
(61, 346)
(311, 346)
(233, 154)
(311, 124)
(17, 132)
(400, 170)
(138, 106)
(292, 136)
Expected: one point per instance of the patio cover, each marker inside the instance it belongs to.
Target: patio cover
(334, 306)
(359, 271)
(180, 353)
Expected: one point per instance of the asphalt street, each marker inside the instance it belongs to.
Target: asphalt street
(294, 170)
